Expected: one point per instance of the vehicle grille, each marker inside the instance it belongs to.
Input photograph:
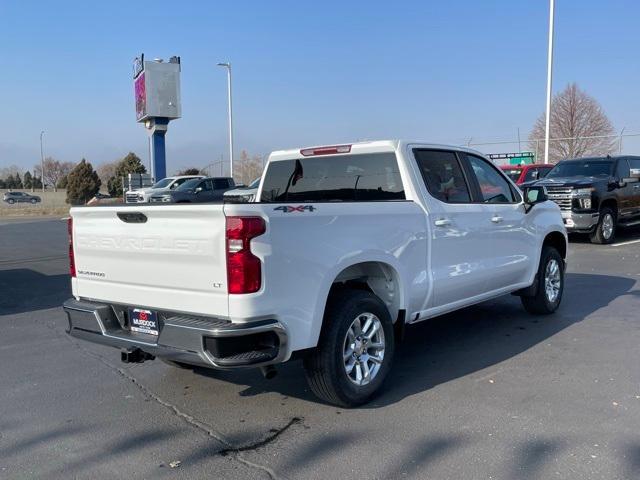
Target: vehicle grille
(560, 195)
(132, 198)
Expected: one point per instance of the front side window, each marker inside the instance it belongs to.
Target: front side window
(494, 188)
(338, 178)
(442, 174)
(622, 169)
(207, 185)
(513, 173)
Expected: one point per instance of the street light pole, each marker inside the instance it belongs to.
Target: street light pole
(227, 65)
(549, 81)
(41, 161)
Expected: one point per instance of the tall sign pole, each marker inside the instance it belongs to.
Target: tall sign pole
(227, 65)
(157, 94)
(549, 82)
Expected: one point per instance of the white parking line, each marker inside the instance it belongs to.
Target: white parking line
(624, 243)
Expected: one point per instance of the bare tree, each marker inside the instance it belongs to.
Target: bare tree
(106, 171)
(54, 171)
(248, 168)
(575, 116)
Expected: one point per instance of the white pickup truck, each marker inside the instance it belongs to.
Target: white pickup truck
(345, 246)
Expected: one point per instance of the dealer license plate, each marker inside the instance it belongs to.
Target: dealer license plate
(143, 321)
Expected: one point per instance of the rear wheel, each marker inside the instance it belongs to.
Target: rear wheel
(605, 231)
(550, 284)
(11, 201)
(355, 350)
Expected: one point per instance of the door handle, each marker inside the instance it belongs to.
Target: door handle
(636, 186)
(496, 219)
(442, 222)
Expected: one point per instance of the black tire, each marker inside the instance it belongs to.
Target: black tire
(325, 368)
(541, 303)
(171, 363)
(34, 201)
(599, 236)
(11, 201)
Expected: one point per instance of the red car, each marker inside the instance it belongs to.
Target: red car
(526, 173)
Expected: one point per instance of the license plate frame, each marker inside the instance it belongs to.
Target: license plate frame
(144, 321)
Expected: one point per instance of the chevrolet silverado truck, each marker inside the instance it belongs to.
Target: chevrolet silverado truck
(345, 246)
(596, 195)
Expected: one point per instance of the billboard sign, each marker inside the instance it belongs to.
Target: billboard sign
(141, 97)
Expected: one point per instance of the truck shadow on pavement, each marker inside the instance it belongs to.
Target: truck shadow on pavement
(458, 344)
(25, 290)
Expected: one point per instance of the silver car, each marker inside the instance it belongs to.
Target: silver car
(20, 197)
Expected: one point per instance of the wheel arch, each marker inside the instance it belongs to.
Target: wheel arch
(610, 203)
(378, 276)
(558, 241)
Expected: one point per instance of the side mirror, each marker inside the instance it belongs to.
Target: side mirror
(634, 176)
(533, 195)
(198, 189)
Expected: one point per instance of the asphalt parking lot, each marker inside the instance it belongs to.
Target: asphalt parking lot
(487, 393)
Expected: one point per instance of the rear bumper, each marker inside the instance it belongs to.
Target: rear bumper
(580, 222)
(207, 342)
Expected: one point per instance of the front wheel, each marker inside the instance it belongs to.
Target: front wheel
(34, 201)
(550, 284)
(605, 231)
(355, 350)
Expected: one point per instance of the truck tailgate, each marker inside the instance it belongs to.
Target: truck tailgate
(168, 257)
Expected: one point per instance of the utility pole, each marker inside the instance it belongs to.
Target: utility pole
(549, 81)
(227, 65)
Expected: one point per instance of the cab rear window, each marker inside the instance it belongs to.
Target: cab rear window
(338, 178)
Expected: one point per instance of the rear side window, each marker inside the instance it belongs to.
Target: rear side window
(220, 183)
(339, 178)
(634, 163)
(442, 174)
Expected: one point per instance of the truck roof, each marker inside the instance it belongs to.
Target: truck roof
(361, 147)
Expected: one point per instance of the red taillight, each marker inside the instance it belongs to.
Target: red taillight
(244, 269)
(72, 258)
(309, 152)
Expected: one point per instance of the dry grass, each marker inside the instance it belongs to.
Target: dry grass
(53, 203)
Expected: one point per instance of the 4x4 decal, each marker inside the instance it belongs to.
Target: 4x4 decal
(298, 208)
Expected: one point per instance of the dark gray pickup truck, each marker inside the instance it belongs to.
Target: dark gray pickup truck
(596, 195)
(197, 190)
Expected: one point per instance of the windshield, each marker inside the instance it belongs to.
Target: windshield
(163, 183)
(586, 168)
(255, 183)
(512, 173)
(189, 184)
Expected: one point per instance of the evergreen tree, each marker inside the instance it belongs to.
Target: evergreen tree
(82, 183)
(129, 164)
(11, 183)
(18, 181)
(3, 184)
(27, 182)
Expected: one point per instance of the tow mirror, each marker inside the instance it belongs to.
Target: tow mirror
(534, 195)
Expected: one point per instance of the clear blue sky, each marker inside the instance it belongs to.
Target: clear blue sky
(304, 72)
